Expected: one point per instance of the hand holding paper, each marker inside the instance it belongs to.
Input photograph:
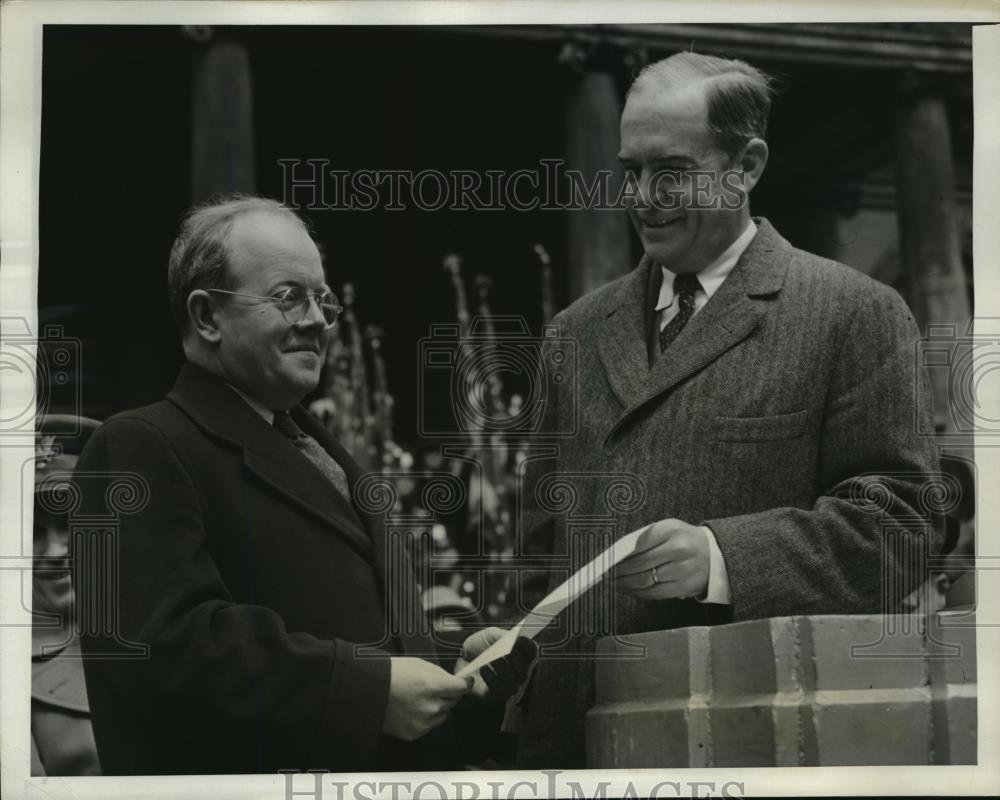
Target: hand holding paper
(420, 696)
(671, 560)
(558, 599)
(501, 678)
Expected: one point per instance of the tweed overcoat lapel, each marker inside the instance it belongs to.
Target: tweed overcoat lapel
(729, 317)
(621, 336)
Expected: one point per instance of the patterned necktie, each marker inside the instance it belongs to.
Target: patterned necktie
(685, 286)
(312, 450)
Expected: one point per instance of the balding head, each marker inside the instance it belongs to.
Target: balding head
(737, 95)
(200, 253)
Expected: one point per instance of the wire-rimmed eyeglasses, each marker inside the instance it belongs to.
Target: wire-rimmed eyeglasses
(293, 303)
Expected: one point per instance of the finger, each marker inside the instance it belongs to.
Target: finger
(650, 558)
(661, 573)
(503, 674)
(456, 687)
(500, 679)
(647, 567)
(494, 686)
(480, 689)
(523, 655)
(670, 571)
(475, 644)
(493, 633)
(632, 583)
(669, 590)
(657, 533)
(641, 555)
(481, 640)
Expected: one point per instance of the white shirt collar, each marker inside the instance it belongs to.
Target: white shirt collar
(714, 274)
(257, 406)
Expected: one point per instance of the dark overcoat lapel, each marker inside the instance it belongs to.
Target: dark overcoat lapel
(397, 582)
(226, 417)
(269, 456)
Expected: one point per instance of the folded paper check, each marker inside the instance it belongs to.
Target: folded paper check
(559, 598)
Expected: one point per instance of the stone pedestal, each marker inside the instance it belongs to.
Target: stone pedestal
(792, 691)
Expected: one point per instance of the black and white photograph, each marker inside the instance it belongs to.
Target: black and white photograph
(426, 399)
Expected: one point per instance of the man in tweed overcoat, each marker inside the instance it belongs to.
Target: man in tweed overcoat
(765, 417)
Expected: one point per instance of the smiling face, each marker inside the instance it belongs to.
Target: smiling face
(681, 218)
(258, 351)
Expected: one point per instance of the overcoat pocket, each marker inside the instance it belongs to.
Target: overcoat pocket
(761, 429)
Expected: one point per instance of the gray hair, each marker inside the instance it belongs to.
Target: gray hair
(200, 253)
(738, 95)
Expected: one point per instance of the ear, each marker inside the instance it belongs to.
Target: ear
(752, 162)
(201, 313)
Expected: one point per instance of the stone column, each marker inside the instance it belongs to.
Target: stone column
(222, 143)
(928, 223)
(599, 245)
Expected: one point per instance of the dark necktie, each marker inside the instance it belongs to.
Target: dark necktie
(685, 287)
(314, 451)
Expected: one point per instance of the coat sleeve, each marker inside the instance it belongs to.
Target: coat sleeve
(863, 545)
(249, 693)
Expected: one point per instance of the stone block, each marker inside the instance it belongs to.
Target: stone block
(862, 652)
(807, 691)
(754, 694)
(865, 727)
(637, 735)
(651, 711)
(951, 647)
(675, 664)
